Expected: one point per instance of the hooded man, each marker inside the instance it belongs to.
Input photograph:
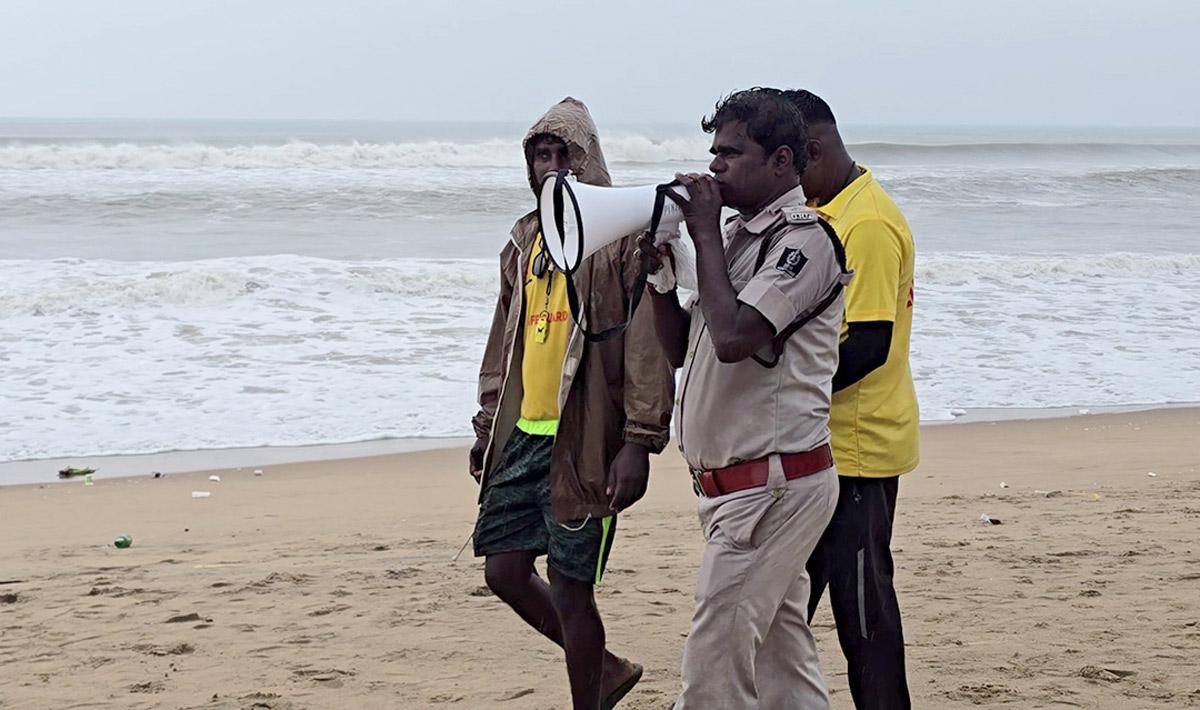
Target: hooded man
(565, 426)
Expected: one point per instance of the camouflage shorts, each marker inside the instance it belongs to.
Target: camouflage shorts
(515, 515)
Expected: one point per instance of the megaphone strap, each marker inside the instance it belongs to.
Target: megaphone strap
(639, 286)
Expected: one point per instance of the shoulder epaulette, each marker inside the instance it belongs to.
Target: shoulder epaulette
(799, 215)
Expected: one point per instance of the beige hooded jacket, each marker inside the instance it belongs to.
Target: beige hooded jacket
(616, 391)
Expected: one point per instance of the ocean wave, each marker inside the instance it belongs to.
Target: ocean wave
(41, 287)
(332, 156)
(103, 355)
(132, 156)
(89, 290)
(942, 268)
(102, 202)
(65, 286)
(984, 153)
(59, 197)
(621, 148)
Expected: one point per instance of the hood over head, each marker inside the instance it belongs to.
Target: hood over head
(570, 121)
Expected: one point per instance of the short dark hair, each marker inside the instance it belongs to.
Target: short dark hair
(813, 107)
(771, 121)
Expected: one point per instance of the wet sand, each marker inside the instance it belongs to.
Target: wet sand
(329, 584)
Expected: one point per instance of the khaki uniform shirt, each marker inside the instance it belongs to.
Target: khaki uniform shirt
(734, 412)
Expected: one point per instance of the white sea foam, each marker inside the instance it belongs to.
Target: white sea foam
(122, 357)
(303, 154)
(618, 148)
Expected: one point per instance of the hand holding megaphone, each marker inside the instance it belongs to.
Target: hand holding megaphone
(668, 261)
(701, 207)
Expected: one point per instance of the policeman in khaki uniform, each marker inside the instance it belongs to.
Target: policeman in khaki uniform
(758, 346)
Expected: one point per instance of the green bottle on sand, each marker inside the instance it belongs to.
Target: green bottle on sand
(123, 541)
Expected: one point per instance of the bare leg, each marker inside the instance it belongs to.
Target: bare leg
(513, 578)
(583, 636)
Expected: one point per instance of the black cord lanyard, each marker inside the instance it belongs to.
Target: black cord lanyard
(542, 263)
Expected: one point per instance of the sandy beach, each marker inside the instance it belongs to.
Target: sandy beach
(329, 584)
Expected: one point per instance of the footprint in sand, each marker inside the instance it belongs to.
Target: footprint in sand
(329, 678)
(403, 573)
(1108, 675)
(980, 693)
(263, 585)
(184, 618)
(150, 649)
(655, 590)
(147, 687)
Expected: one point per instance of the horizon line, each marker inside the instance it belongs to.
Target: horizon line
(462, 121)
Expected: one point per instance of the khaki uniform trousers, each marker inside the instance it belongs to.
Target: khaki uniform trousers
(750, 646)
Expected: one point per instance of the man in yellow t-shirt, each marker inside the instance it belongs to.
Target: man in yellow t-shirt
(873, 417)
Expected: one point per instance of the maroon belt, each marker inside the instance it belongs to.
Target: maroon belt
(753, 474)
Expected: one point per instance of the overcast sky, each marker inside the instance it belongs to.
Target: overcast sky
(1024, 62)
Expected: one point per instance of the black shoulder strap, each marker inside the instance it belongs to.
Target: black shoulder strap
(768, 241)
(779, 342)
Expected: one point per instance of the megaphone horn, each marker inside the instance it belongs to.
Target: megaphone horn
(578, 219)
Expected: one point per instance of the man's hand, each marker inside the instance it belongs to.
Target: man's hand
(628, 476)
(477, 451)
(701, 209)
(652, 257)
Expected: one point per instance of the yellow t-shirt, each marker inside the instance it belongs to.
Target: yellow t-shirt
(547, 328)
(875, 421)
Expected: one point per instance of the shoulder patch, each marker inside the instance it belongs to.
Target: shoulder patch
(791, 261)
(799, 215)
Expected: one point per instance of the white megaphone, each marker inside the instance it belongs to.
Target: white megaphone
(578, 219)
